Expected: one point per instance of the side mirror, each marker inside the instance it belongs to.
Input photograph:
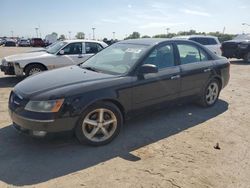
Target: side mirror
(61, 52)
(148, 68)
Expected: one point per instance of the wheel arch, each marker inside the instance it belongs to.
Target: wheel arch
(110, 100)
(118, 104)
(219, 79)
(34, 63)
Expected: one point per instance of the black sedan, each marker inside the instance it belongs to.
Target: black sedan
(9, 43)
(93, 99)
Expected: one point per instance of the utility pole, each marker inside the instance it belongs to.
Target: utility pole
(224, 28)
(93, 33)
(167, 30)
(113, 35)
(36, 31)
(69, 34)
(40, 31)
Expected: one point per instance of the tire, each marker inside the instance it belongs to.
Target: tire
(247, 57)
(33, 69)
(90, 127)
(210, 94)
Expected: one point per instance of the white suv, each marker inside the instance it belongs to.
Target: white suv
(61, 53)
(211, 42)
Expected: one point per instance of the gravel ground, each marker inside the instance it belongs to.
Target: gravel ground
(173, 147)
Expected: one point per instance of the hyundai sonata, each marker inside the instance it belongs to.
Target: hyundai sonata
(94, 98)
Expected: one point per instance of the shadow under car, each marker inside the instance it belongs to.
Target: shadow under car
(28, 161)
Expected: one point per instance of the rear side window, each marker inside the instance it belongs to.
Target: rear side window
(161, 57)
(212, 41)
(202, 41)
(92, 48)
(190, 54)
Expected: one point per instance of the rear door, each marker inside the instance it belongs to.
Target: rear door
(90, 49)
(196, 68)
(158, 87)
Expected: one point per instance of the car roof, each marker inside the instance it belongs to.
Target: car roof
(146, 41)
(194, 36)
(82, 40)
(152, 41)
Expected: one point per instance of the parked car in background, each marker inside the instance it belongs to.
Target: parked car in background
(23, 42)
(57, 55)
(211, 42)
(238, 48)
(2, 42)
(37, 42)
(93, 99)
(9, 42)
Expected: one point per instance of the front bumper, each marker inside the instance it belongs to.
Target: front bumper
(33, 126)
(8, 70)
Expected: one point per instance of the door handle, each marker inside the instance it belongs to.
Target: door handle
(175, 77)
(207, 70)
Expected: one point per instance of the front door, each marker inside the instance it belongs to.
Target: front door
(72, 55)
(158, 87)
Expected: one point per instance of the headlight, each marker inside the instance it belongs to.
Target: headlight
(44, 106)
(4, 63)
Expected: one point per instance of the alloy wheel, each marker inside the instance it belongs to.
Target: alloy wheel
(212, 93)
(99, 125)
(34, 71)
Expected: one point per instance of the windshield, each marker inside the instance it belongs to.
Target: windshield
(54, 48)
(242, 37)
(116, 59)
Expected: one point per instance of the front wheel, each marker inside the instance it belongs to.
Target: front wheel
(34, 69)
(210, 94)
(99, 124)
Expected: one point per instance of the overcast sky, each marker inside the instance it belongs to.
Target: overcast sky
(149, 17)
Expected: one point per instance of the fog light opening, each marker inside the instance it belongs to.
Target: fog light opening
(39, 133)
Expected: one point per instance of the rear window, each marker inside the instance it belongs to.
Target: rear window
(204, 41)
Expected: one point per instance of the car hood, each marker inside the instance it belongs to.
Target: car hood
(26, 56)
(57, 79)
(236, 41)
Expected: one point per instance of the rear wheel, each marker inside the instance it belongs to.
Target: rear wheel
(247, 57)
(33, 69)
(210, 94)
(99, 124)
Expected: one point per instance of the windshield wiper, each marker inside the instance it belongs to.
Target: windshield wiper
(91, 69)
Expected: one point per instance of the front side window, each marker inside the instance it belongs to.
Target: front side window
(190, 54)
(73, 48)
(161, 57)
(92, 48)
(55, 47)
